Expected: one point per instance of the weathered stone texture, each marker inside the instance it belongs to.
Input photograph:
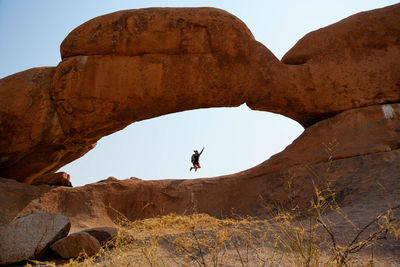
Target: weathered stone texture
(75, 244)
(30, 235)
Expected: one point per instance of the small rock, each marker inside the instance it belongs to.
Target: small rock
(30, 235)
(59, 178)
(102, 234)
(72, 245)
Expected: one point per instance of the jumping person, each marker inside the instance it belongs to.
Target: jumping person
(195, 160)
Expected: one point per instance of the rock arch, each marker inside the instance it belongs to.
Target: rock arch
(137, 64)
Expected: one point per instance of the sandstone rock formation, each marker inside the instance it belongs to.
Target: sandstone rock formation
(352, 133)
(371, 179)
(32, 141)
(352, 63)
(29, 236)
(356, 151)
(137, 64)
(10, 189)
(342, 82)
(29, 123)
(75, 244)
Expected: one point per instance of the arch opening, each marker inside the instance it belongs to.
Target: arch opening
(235, 139)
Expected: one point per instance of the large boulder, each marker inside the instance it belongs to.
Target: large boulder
(169, 31)
(75, 244)
(31, 235)
(351, 63)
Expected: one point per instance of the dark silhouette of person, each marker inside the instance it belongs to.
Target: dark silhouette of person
(195, 160)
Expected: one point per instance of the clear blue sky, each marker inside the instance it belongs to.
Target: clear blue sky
(160, 148)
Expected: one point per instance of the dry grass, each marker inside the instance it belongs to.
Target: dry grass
(287, 238)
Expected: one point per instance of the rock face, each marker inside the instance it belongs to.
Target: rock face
(137, 64)
(32, 141)
(345, 59)
(30, 235)
(349, 134)
(11, 204)
(29, 124)
(74, 244)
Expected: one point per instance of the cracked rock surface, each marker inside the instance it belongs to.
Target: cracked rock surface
(29, 236)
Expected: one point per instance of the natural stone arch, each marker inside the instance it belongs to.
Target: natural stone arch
(137, 64)
(235, 139)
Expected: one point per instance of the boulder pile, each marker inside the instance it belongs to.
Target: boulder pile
(33, 235)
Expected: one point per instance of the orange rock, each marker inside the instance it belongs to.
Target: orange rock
(138, 64)
(32, 142)
(16, 196)
(352, 63)
(30, 129)
(59, 178)
(372, 177)
(353, 150)
(75, 244)
(168, 31)
(252, 74)
(351, 133)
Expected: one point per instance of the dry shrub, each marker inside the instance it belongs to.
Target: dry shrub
(290, 237)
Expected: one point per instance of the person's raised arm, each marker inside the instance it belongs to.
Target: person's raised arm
(202, 150)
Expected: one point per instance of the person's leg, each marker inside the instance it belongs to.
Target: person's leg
(196, 166)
